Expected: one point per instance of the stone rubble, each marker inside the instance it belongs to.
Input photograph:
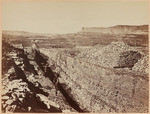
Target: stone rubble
(18, 91)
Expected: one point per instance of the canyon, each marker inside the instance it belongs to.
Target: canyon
(94, 70)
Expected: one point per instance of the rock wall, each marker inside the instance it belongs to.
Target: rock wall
(98, 87)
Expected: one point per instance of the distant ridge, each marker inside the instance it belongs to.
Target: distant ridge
(9, 32)
(118, 29)
(23, 33)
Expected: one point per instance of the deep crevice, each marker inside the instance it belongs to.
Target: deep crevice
(36, 103)
(30, 99)
(50, 74)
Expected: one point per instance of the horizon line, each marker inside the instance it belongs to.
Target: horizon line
(74, 32)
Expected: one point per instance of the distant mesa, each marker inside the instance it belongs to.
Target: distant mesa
(119, 29)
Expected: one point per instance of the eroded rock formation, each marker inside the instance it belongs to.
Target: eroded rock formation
(92, 80)
(99, 79)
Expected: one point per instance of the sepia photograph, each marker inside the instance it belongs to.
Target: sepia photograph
(69, 56)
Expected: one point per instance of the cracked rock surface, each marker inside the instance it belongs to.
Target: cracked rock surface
(98, 85)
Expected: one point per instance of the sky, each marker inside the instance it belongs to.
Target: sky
(71, 16)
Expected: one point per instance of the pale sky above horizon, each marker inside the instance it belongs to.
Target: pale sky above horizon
(71, 16)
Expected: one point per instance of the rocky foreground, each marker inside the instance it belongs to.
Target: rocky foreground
(112, 78)
(26, 85)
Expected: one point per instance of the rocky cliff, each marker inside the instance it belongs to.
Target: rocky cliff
(111, 78)
(102, 79)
